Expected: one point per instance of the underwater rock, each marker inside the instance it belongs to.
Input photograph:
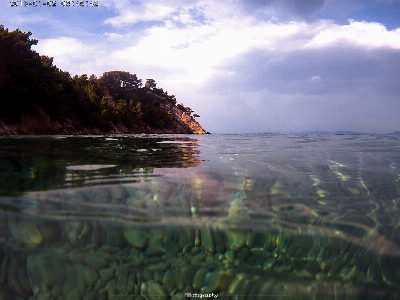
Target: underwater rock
(344, 272)
(136, 238)
(267, 290)
(389, 266)
(199, 257)
(235, 240)
(74, 229)
(171, 237)
(17, 277)
(245, 289)
(25, 232)
(229, 256)
(91, 296)
(136, 257)
(195, 250)
(155, 249)
(178, 296)
(52, 270)
(215, 282)
(237, 284)
(71, 282)
(96, 260)
(85, 233)
(252, 239)
(113, 237)
(255, 291)
(160, 266)
(326, 264)
(269, 264)
(185, 275)
(373, 274)
(218, 239)
(121, 276)
(50, 231)
(198, 278)
(284, 268)
(168, 280)
(270, 241)
(243, 254)
(207, 242)
(130, 286)
(86, 273)
(75, 293)
(154, 291)
(106, 274)
(260, 252)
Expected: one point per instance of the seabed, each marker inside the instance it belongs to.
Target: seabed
(71, 258)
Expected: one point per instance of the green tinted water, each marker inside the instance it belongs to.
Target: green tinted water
(238, 216)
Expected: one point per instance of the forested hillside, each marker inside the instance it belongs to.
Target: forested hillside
(39, 98)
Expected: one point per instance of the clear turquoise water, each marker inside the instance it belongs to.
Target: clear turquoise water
(172, 216)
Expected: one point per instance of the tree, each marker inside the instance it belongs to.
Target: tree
(186, 109)
(150, 84)
(28, 80)
(116, 81)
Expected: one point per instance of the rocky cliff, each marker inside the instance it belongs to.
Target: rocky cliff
(41, 123)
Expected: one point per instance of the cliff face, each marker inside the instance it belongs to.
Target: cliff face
(182, 122)
(41, 123)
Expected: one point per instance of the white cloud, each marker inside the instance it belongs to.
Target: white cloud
(61, 47)
(370, 35)
(71, 54)
(256, 75)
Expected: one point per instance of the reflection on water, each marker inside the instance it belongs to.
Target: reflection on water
(32, 164)
(160, 217)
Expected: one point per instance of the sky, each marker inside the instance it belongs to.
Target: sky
(245, 66)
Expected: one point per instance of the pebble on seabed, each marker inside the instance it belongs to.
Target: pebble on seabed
(157, 264)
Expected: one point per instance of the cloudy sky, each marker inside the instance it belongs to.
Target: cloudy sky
(242, 65)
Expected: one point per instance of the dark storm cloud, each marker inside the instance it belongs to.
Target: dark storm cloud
(320, 71)
(317, 89)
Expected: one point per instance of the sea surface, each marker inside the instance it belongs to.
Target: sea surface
(263, 216)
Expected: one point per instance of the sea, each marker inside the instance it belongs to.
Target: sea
(247, 216)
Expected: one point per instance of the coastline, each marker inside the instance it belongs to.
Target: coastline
(42, 124)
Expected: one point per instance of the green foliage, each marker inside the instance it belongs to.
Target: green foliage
(29, 81)
(186, 109)
(156, 117)
(150, 84)
(119, 84)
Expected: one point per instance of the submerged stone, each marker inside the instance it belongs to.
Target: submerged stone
(261, 252)
(17, 278)
(154, 291)
(25, 232)
(234, 240)
(155, 249)
(215, 282)
(168, 280)
(198, 279)
(207, 242)
(136, 238)
(106, 274)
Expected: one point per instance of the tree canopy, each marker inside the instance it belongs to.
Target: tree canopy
(29, 81)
